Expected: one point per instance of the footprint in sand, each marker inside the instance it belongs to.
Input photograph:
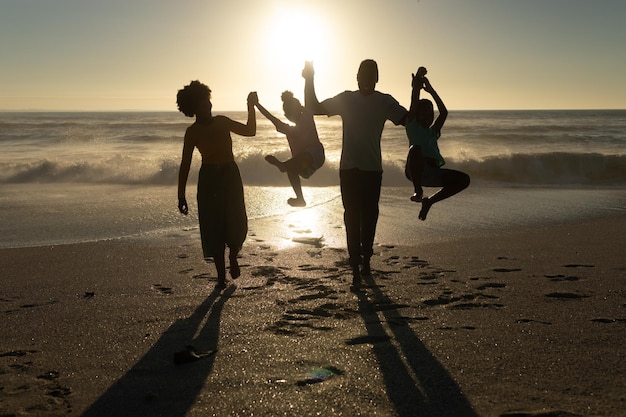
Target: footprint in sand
(458, 328)
(39, 392)
(309, 267)
(162, 289)
(480, 278)
(578, 266)
(30, 305)
(560, 277)
(267, 271)
(468, 306)
(17, 353)
(566, 295)
(392, 260)
(490, 285)
(428, 277)
(415, 262)
(441, 300)
(524, 321)
(506, 269)
(609, 321)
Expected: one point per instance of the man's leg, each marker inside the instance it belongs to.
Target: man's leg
(370, 196)
(350, 196)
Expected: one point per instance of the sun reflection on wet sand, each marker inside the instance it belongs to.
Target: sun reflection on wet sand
(274, 222)
(305, 227)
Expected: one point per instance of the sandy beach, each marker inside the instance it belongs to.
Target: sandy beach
(518, 323)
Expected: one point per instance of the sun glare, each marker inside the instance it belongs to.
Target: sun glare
(297, 35)
(294, 34)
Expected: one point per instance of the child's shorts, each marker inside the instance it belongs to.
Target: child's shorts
(431, 176)
(317, 160)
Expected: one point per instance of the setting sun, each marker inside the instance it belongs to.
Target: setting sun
(291, 35)
(296, 34)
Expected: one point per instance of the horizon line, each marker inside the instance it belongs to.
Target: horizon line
(244, 111)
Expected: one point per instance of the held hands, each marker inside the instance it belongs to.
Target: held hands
(253, 99)
(182, 205)
(427, 87)
(419, 80)
(421, 83)
(308, 72)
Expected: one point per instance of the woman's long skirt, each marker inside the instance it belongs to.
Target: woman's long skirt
(221, 209)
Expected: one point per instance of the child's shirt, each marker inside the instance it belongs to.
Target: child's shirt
(426, 139)
(303, 135)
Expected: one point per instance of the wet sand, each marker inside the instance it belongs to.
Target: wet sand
(516, 323)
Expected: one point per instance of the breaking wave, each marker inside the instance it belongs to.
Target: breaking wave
(554, 168)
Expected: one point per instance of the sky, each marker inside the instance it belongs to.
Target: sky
(118, 55)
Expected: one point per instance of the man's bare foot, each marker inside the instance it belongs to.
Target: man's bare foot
(296, 202)
(274, 161)
(426, 205)
(366, 269)
(417, 198)
(356, 280)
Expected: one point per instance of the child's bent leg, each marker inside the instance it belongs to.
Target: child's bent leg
(294, 167)
(413, 173)
(294, 179)
(453, 183)
(274, 161)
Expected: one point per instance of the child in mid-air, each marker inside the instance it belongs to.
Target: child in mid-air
(307, 152)
(424, 161)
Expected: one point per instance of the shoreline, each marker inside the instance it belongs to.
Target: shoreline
(524, 320)
(54, 214)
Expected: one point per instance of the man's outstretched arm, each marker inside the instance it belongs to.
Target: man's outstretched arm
(310, 97)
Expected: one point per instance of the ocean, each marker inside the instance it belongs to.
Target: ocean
(72, 177)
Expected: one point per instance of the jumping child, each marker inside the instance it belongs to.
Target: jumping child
(307, 152)
(424, 161)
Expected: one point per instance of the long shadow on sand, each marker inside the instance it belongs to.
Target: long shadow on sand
(417, 384)
(154, 386)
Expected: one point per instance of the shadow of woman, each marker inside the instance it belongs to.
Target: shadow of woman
(417, 383)
(154, 386)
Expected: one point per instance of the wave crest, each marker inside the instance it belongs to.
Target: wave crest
(549, 168)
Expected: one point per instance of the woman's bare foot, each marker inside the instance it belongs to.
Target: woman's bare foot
(426, 205)
(274, 161)
(296, 202)
(235, 272)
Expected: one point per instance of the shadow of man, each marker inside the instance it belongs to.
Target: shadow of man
(154, 386)
(417, 384)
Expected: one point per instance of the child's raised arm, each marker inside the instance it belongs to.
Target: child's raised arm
(443, 111)
(280, 126)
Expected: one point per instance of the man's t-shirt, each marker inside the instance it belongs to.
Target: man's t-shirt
(364, 118)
